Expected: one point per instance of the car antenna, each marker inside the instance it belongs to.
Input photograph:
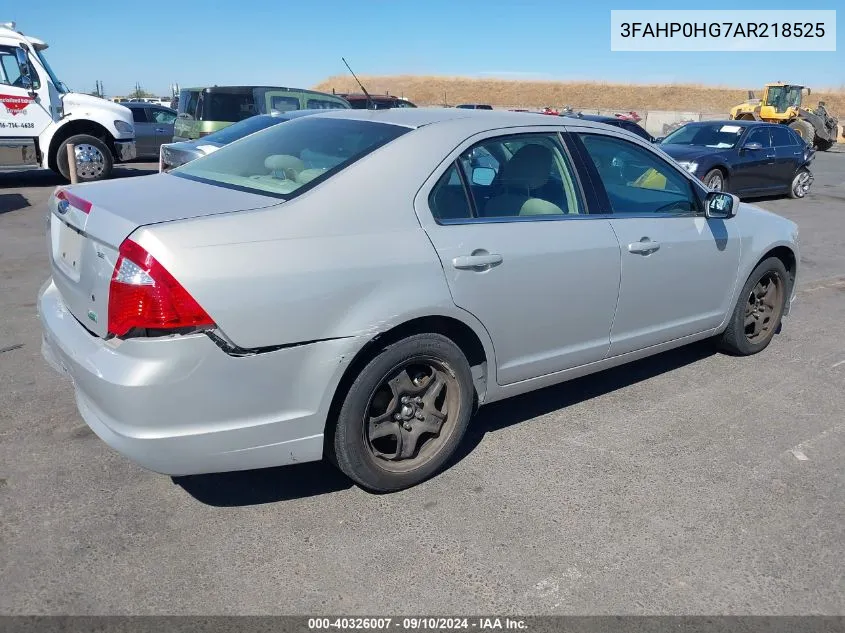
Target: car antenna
(367, 94)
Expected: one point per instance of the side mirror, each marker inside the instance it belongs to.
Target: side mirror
(752, 147)
(658, 139)
(483, 176)
(23, 66)
(720, 205)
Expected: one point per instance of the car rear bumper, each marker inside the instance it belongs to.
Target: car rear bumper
(181, 405)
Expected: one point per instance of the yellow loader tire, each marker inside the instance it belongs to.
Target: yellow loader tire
(804, 129)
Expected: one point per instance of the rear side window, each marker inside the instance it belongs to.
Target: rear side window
(322, 104)
(782, 137)
(526, 176)
(227, 106)
(281, 103)
(448, 199)
(284, 159)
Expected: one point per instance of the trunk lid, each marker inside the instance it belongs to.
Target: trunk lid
(87, 227)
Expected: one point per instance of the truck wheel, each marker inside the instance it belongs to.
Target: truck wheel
(93, 158)
(804, 129)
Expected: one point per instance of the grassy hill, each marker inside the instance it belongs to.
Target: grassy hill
(431, 90)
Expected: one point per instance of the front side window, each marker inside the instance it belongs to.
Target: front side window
(760, 135)
(10, 71)
(163, 116)
(285, 158)
(188, 100)
(637, 180)
(139, 115)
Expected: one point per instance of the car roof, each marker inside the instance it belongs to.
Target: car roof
(477, 120)
(738, 123)
(145, 104)
(592, 117)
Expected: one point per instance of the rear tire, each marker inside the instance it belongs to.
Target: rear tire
(715, 180)
(758, 311)
(404, 415)
(93, 158)
(804, 129)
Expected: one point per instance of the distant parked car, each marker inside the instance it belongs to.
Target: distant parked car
(359, 101)
(475, 106)
(348, 285)
(153, 126)
(625, 124)
(175, 154)
(748, 158)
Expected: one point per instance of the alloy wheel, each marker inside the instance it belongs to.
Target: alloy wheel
(801, 184)
(411, 413)
(715, 182)
(762, 311)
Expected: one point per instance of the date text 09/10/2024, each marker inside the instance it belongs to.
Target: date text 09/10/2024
(417, 624)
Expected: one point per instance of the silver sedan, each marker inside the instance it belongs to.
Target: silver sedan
(353, 284)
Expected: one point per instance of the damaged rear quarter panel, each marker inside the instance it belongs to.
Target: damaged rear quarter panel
(347, 258)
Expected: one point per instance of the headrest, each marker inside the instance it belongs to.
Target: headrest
(529, 168)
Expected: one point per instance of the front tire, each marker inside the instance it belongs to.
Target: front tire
(758, 310)
(404, 415)
(800, 185)
(93, 158)
(715, 180)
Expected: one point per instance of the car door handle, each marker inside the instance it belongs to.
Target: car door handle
(161, 130)
(479, 261)
(643, 247)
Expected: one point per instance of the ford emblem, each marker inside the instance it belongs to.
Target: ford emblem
(64, 205)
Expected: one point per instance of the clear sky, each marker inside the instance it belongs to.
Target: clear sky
(299, 43)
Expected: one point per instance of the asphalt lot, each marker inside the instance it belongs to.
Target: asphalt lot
(672, 485)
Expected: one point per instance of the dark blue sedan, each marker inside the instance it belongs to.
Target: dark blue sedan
(747, 158)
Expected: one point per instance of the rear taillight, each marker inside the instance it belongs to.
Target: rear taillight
(142, 294)
(73, 200)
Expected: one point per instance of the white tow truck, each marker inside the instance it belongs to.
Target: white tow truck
(40, 117)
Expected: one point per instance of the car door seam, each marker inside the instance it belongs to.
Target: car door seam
(618, 290)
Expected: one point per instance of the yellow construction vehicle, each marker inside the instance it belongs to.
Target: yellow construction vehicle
(781, 103)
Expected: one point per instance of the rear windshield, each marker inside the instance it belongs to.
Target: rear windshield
(227, 106)
(243, 128)
(285, 158)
